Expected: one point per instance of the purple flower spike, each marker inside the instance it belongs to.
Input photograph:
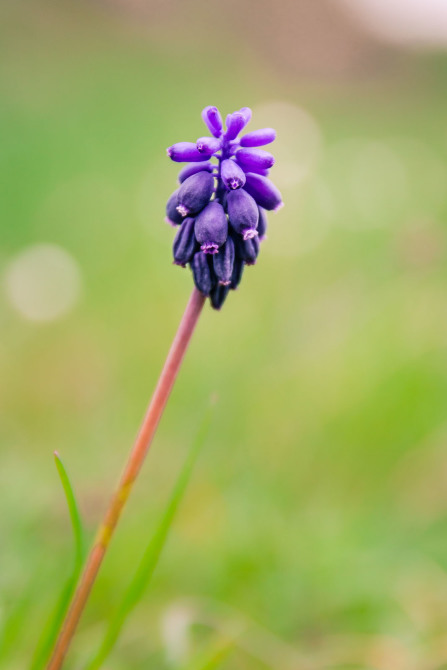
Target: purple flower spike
(173, 217)
(234, 122)
(223, 262)
(211, 228)
(201, 273)
(208, 145)
(232, 175)
(258, 138)
(263, 191)
(185, 244)
(194, 193)
(213, 120)
(186, 151)
(254, 158)
(193, 168)
(243, 213)
(221, 201)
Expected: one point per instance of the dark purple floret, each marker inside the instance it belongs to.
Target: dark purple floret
(243, 213)
(211, 227)
(232, 175)
(250, 250)
(218, 295)
(256, 159)
(221, 202)
(185, 243)
(193, 168)
(201, 272)
(194, 193)
(223, 262)
(247, 250)
(173, 217)
(258, 138)
(263, 191)
(262, 224)
(238, 269)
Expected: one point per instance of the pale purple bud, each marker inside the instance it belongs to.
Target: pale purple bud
(194, 193)
(213, 120)
(234, 122)
(208, 145)
(173, 217)
(185, 243)
(186, 151)
(223, 262)
(211, 228)
(263, 191)
(262, 224)
(243, 213)
(254, 158)
(258, 138)
(218, 295)
(232, 175)
(246, 113)
(193, 168)
(201, 272)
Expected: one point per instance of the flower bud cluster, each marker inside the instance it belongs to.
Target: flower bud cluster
(219, 207)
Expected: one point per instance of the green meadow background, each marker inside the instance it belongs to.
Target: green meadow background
(313, 534)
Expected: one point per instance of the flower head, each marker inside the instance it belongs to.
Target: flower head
(219, 208)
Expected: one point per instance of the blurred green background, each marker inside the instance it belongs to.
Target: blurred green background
(314, 528)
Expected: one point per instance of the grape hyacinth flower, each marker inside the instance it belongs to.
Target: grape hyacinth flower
(219, 208)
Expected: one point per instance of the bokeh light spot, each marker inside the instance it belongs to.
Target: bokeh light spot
(298, 144)
(43, 282)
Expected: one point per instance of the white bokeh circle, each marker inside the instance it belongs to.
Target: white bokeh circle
(43, 282)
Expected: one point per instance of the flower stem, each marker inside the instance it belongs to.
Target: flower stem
(131, 470)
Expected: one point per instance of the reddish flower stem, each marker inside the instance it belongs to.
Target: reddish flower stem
(132, 468)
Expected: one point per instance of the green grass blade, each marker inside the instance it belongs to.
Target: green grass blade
(151, 556)
(75, 517)
(49, 634)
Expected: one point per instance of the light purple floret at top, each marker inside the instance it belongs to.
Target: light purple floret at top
(219, 208)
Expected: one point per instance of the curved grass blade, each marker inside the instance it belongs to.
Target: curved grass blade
(51, 629)
(150, 558)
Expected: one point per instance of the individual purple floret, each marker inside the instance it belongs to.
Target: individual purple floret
(219, 208)
(263, 191)
(232, 175)
(201, 272)
(254, 159)
(194, 168)
(173, 216)
(258, 138)
(223, 262)
(194, 193)
(211, 227)
(185, 243)
(243, 213)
